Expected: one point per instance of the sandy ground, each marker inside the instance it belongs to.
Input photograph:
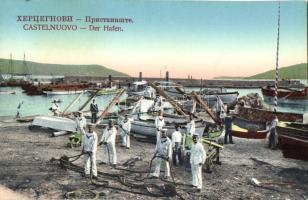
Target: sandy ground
(25, 167)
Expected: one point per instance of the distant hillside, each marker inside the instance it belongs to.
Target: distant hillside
(58, 69)
(298, 71)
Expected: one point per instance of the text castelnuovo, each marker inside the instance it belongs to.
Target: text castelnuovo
(70, 23)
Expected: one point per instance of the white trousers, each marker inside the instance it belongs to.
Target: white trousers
(112, 155)
(196, 171)
(157, 167)
(87, 164)
(125, 139)
(157, 137)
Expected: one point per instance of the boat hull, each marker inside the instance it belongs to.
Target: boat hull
(228, 98)
(249, 134)
(7, 92)
(64, 92)
(293, 140)
(148, 129)
(262, 115)
(248, 124)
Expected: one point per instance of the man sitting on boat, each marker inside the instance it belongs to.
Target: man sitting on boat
(158, 103)
(191, 128)
(176, 146)
(109, 148)
(89, 147)
(55, 108)
(159, 123)
(162, 153)
(94, 111)
(197, 159)
(125, 126)
(149, 92)
(273, 137)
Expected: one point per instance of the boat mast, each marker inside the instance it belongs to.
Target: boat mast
(10, 69)
(277, 62)
(25, 66)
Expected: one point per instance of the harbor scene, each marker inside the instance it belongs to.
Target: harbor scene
(207, 102)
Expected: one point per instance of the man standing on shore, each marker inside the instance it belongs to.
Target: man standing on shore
(228, 128)
(89, 147)
(125, 126)
(94, 111)
(81, 122)
(273, 138)
(162, 153)
(197, 159)
(108, 140)
(176, 145)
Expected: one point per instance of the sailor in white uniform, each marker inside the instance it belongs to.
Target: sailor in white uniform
(163, 152)
(109, 148)
(89, 148)
(197, 159)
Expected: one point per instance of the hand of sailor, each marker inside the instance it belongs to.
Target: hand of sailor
(200, 164)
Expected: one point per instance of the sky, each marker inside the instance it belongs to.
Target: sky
(204, 39)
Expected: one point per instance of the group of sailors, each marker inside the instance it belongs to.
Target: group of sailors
(166, 149)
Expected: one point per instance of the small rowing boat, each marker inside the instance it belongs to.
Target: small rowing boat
(8, 92)
(63, 92)
(249, 134)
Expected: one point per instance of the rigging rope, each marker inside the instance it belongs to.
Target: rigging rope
(277, 63)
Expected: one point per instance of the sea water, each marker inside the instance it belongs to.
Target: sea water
(39, 105)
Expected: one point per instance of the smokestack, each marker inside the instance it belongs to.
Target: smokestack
(140, 76)
(109, 81)
(167, 76)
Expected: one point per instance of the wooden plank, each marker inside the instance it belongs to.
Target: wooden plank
(111, 103)
(204, 106)
(71, 104)
(88, 101)
(179, 108)
(212, 143)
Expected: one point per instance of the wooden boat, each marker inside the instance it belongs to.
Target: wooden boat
(106, 91)
(171, 89)
(145, 125)
(246, 133)
(53, 122)
(210, 96)
(58, 88)
(293, 140)
(248, 124)
(284, 92)
(137, 88)
(262, 115)
(63, 92)
(8, 92)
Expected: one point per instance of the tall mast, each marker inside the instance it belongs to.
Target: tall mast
(277, 61)
(25, 66)
(10, 68)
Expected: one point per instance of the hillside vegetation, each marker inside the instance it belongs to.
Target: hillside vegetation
(298, 71)
(35, 68)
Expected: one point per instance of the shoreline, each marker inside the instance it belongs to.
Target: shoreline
(26, 168)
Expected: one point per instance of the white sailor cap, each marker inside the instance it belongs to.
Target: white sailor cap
(196, 134)
(164, 130)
